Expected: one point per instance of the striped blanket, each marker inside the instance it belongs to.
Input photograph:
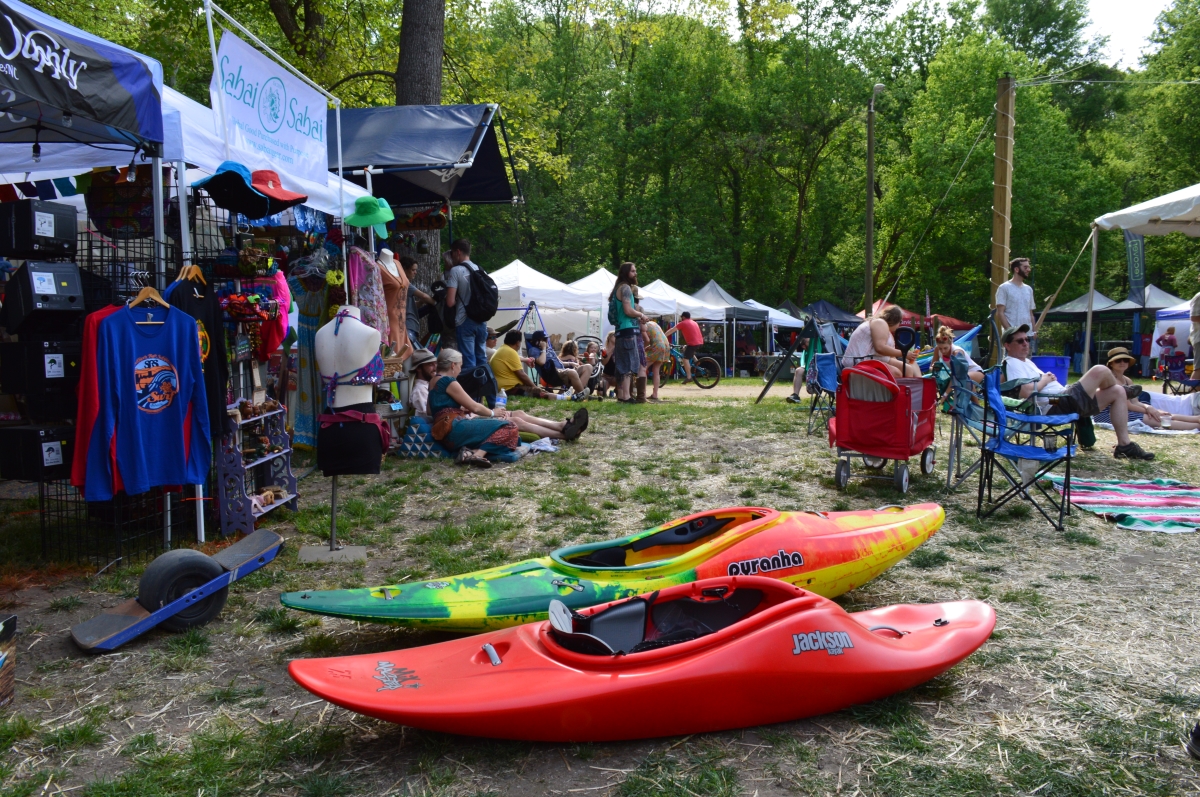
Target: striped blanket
(1163, 505)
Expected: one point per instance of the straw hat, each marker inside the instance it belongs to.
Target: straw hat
(1120, 353)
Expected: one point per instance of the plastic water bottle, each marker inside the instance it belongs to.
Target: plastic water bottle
(501, 400)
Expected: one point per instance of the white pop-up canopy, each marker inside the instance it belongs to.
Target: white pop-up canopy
(191, 134)
(604, 280)
(701, 311)
(1178, 211)
(1178, 317)
(562, 309)
(776, 317)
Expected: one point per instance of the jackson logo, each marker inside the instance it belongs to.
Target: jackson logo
(335, 673)
(44, 49)
(395, 678)
(832, 642)
(780, 561)
(155, 383)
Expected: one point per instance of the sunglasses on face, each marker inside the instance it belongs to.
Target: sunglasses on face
(1019, 341)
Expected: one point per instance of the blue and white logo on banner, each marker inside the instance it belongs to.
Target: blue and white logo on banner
(270, 112)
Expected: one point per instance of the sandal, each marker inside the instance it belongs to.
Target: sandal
(465, 457)
(581, 419)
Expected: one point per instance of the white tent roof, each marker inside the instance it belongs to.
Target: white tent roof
(1175, 212)
(700, 311)
(191, 134)
(778, 318)
(520, 284)
(601, 280)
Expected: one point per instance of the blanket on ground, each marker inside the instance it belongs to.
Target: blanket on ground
(1162, 505)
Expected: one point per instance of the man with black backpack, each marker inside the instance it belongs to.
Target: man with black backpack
(474, 297)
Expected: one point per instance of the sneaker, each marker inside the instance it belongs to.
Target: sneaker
(1132, 392)
(1132, 451)
(794, 399)
(582, 396)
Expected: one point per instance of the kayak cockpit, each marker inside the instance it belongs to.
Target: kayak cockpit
(650, 622)
(652, 547)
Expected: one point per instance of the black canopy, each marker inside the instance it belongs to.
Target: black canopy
(60, 84)
(1154, 299)
(712, 293)
(424, 154)
(832, 314)
(1076, 309)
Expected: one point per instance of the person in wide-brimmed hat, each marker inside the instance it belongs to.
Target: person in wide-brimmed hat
(424, 365)
(1119, 360)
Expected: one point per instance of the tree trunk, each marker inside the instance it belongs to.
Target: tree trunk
(419, 82)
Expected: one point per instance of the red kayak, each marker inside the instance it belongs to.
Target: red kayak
(715, 654)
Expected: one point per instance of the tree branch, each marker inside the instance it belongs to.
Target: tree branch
(367, 73)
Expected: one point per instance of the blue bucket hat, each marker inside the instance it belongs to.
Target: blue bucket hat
(231, 189)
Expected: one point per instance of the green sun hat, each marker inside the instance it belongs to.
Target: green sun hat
(369, 211)
(381, 230)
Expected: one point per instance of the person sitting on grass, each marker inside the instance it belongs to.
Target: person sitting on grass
(554, 371)
(424, 366)
(1119, 360)
(509, 368)
(1095, 390)
(463, 425)
(609, 363)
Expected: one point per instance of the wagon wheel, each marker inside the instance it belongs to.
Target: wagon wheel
(841, 474)
(874, 463)
(928, 461)
(900, 477)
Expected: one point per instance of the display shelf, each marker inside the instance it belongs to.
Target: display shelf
(256, 418)
(238, 480)
(267, 458)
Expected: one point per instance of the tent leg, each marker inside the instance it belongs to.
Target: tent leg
(185, 231)
(1087, 330)
(160, 225)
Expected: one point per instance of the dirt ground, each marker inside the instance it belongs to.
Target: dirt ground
(1088, 685)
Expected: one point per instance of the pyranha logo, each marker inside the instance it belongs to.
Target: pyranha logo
(765, 564)
(155, 383)
(832, 642)
(272, 99)
(39, 46)
(395, 678)
(205, 342)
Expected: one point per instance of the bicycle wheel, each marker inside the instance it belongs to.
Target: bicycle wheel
(706, 373)
(774, 371)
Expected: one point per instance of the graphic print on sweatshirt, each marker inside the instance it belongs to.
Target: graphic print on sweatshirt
(156, 383)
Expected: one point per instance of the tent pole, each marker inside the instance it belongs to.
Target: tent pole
(371, 229)
(185, 231)
(337, 113)
(1087, 330)
(160, 226)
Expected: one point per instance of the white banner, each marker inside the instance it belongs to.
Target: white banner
(270, 111)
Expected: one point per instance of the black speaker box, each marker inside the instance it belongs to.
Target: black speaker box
(36, 453)
(34, 228)
(38, 366)
(43, 297)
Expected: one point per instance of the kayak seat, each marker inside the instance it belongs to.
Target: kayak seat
(622, 628)
(685, 534)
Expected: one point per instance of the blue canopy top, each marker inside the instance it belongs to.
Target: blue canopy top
(421, 154)
(62, 84)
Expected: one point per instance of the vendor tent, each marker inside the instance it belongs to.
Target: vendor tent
(1154, 299)
(63, 85)
(701, 311)
(936, 321)
(1178, 317)
(1077, 309)
(1175, 212)
(828, 313)
(714, 294)
(792, 309)
(776, 317)
(424, 154)
(561, 309)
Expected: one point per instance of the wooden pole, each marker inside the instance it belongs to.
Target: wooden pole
(1006, 95)
(1087, 334)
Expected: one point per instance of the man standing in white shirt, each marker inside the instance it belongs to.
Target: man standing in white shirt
(1014, 299)
(1195, 333)
(1094, 391)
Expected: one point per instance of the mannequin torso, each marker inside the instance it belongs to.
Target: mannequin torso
(354, 345)
(395, 293)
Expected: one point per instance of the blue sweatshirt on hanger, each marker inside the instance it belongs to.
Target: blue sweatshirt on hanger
(152, 429)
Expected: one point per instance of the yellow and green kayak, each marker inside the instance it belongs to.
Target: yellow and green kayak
(828, 553)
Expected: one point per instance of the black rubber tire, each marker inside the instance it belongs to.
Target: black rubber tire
(706, 373)
(173, 575)
(874, 463)
(900, 477)
(928, 461)
(841, 474)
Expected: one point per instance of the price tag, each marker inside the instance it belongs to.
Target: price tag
(43, 282)
(52, 454)
(55, 369)
(43, 224)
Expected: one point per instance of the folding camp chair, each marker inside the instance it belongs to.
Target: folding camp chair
(1050, 443)
(1175, 377)
(823, 379)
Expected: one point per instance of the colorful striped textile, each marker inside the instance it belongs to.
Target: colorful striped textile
(1162, 505)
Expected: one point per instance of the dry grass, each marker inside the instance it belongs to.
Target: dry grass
(1087, 688)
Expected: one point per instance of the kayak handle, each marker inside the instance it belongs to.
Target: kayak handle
(562, 582)
(818, 514)
(890, 506)
(492, 654)
(895, 631)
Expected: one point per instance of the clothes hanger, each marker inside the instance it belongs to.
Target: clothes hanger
(148, 294)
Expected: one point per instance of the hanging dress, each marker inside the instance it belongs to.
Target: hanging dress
(395, 294)
(305, 392)
(366, 280)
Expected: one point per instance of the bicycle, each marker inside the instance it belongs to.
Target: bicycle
(706, 372)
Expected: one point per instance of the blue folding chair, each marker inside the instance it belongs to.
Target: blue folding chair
(823, 379)
(1050, 443)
